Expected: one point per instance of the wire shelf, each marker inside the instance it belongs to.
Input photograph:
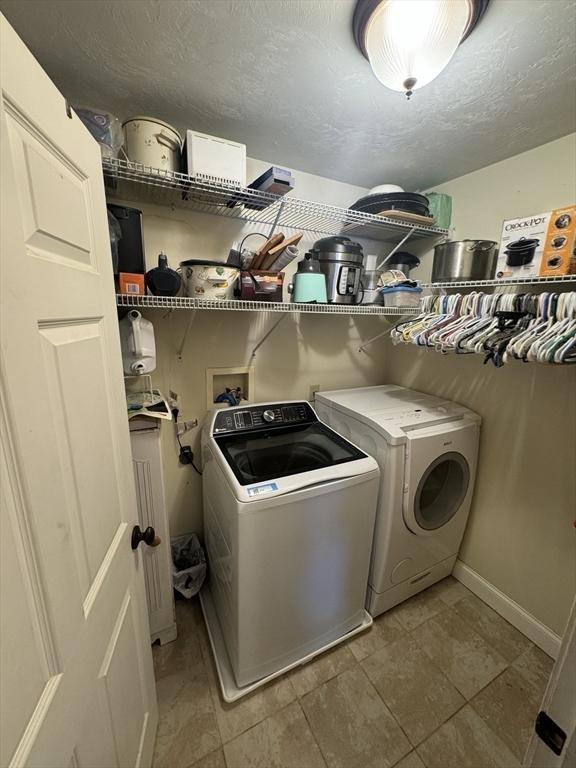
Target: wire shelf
(132, 181)
(236, 305)
(501, 283)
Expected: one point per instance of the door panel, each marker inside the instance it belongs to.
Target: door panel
(44, 176)
(79, 635)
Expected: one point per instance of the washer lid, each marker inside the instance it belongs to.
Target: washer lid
(393, 411)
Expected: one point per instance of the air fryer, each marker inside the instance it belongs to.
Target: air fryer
(521, 252)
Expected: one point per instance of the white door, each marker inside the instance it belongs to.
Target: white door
(553, 743)
(76, 677)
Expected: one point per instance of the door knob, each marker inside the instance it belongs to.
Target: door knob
(148, 537)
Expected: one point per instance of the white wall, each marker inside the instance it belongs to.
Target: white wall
(305, 351)
(520, 536)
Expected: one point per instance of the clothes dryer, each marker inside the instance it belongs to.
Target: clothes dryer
(427, 449)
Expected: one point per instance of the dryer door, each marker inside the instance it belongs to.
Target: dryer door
(439, 476)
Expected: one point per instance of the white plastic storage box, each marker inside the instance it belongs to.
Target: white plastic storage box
(401, 296)
(214, 159)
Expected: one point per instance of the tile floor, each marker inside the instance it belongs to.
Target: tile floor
(441, 681)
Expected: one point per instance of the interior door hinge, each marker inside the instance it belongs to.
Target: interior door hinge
(550, 733)
(68, 109)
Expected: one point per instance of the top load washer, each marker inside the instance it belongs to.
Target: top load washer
(427, 449)
(289, 511)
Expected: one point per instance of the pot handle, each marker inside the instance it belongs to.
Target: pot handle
(479, 247)
(168, 141)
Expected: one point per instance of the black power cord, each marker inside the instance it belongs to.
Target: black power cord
(186, 452)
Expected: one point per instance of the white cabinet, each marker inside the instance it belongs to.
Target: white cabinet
(147, 462)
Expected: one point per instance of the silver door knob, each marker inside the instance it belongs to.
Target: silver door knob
(268, 415)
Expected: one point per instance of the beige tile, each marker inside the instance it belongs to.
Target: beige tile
(352, 725)
(416, 691)
(233, 719)
(283, 740)
(465, 741)
(213, 760)
(450, 591)
(410, 761)
(385, 629)
(460, 652)
(187, 729)
(182, 653)
(322, 668)
(509, 706)
(419, 609)
(493, 628)
(536, 667)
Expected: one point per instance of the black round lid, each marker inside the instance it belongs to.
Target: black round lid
(403, 257)
(337, 244)
(309, 263)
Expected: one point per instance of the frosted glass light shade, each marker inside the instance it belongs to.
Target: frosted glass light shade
(409, 42)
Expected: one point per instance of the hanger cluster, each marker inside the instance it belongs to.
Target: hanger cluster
(537, 328)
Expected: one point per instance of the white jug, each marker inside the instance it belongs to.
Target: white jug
(138, 345)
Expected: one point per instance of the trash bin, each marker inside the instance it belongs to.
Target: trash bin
(188, 564)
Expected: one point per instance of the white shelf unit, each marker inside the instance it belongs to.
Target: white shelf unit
(501, 283)
(125, 180)
(236, 305)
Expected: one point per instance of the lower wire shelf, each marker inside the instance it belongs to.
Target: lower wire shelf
(236, 305)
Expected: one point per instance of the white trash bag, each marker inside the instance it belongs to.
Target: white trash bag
(188, 564)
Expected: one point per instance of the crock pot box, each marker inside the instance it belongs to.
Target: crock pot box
(541, 245)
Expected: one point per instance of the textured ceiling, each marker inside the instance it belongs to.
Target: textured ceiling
(284, 77)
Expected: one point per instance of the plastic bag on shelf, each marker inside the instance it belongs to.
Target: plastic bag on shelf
(104, 127)
(188, 564)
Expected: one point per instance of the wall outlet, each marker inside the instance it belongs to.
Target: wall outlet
(185, 426)
(312, 391)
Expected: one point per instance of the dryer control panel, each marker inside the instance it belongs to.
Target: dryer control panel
(263, 417)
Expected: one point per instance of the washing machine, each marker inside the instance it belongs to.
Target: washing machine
(289, 513)
(427, 449)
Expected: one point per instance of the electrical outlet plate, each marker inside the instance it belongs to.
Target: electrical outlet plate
(312, 391)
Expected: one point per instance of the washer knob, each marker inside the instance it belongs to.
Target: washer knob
(268, 415)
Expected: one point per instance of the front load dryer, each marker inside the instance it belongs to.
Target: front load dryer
(289, 512)
(427, 450)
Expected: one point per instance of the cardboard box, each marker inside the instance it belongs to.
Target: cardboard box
(542, 245)
(131, 283)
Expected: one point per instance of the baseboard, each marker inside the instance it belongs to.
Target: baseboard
(534, 630)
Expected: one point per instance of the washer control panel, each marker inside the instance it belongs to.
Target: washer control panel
(262, 417)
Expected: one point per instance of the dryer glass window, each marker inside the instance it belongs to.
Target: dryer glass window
(278, 452)
(441, 491)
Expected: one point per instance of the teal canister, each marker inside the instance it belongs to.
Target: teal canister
(309, 284)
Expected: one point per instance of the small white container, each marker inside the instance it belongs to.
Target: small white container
(214, 159)
(209, 280)
(401, 296)
(153, 143)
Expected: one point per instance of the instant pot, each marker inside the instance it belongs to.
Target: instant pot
(341, 261)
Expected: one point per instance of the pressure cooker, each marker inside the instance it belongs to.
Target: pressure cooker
(341, 261)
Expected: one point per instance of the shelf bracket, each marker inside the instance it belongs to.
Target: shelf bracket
(267, 335)
(363, 346)
(277, 217)
(396, 248)
(189, 325)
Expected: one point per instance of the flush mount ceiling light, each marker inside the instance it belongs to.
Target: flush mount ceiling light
(409, 42)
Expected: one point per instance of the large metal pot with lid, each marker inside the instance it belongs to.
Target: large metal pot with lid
(341, 261)
(464, 260)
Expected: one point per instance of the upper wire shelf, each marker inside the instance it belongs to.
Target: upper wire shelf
(501, 283)
(237, 305)
(132, 181)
